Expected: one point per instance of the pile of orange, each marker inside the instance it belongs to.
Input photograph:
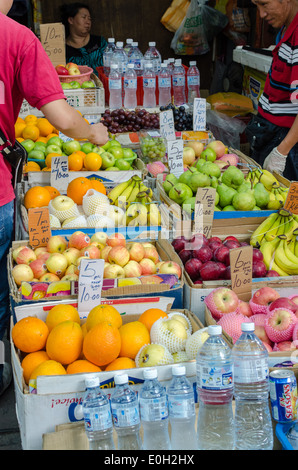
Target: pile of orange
(34, 128)
(39, 196)
(60, 345)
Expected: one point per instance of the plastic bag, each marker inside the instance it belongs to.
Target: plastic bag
(173, 16)
(225, 128)
(230, 103)
(213, 21)
(190, 37)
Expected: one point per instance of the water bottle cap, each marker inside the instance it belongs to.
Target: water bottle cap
(178, 370)
(149, 64)
(129, 41)
(111, 39)
(121, 379)
(130, 66)
(114, 66)
(163, 65)
(150, 373)
(214, 330)
(247, 326)
(192, 62)
(135, 44)
(92, 381)
(152, 44)
(171, 59)
(119, 43)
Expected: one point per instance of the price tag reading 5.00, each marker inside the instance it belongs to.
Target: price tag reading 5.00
(175, 157)
(90, 284)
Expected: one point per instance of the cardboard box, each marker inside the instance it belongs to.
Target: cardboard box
(57, 398)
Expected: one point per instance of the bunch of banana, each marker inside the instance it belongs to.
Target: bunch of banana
(284, 258)
(280, 193)
(258, 175)
(125, 193)
(280, 223)
(268, 250)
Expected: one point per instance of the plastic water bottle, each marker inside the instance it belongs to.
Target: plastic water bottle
(130, 87)
(97, 417)
(135, 57)
(119, 57)
(182, 412)
(128, 45)
(171, 62)
(152, 55)
(115, 88)
(149, 85)
(215, 427)
(108, 52)
(154, 413)
(126, 414)
(253, 425)
(193, 82)
(164, 85)
(178, 80)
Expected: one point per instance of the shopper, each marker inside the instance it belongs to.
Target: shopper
(26, 72)
(273, 133)
(82, 47)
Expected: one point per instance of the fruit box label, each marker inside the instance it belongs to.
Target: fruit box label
(241, 271)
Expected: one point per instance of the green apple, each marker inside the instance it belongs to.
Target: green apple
(107, 160)
(53, 149)
(71, 146)
(107, 145)
(122, 164)
(128, 153)
(208, 154)
(66, 86)
(40, 146)
(116, 151)
(88, 84)
(55, 141)
(75, 85)
(87, 147)
(115, 143)
(112, 168)
(28, 145)
(98, 150)
(36, 155)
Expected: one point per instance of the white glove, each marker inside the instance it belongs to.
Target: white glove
(275, 161)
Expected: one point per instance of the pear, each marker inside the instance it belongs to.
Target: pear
(169, 182)
(185, 177)
(211, 169)
(180, 192)
(226, 194)
(233, 177)
(244, 201)
(261, 195)
(199, 180)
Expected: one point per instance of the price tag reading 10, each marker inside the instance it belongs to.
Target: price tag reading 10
(175, 157)
(90, 284)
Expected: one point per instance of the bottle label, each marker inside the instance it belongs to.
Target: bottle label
(154, 409)
(138, 64)
(215, 378)
(130, 83)
(248, 371)
(98, 420)
(181, 408)
(178, 81)
(149, 82)
(164, 82)
(193, 81)
(125, 416)
(115, 84)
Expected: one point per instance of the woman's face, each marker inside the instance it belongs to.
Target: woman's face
(81, 23)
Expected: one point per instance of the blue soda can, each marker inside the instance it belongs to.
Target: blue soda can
(283, 395)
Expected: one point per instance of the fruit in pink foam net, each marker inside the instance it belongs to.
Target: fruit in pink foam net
(221, 301)
(279, 324)
(231, 324)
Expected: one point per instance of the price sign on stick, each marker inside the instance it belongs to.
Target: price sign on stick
(60, 173)
(241, 271)
(90, 284)
(175, 157)
(52, 37)
(167, 127)
(39, 226)
(199, 114)
(204, 210)
(291, 203)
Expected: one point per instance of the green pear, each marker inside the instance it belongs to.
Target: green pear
(185, 177)
(226, 194)
(214, 182)
(189, 204)
(180, 192)
(210, 169)
(199, 163)
(261, 195)
(233, 177)
(245, 186)
(199, 180)
(244, 201)
(229, 208)
(169, 182)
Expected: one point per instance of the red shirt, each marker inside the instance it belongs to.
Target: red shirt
(25, 72)
(278, 103)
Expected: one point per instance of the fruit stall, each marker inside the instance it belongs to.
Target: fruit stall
(161, 267)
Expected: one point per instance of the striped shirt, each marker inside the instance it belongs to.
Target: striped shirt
(90, 55)
(279, 101)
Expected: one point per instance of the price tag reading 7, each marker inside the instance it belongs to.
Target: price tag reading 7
(175, 157)
(167, 127)
(90, 284)
(39, 226)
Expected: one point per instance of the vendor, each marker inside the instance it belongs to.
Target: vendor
(82, 47)
(273, 133)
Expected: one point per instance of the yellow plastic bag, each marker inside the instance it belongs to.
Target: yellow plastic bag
(231, 104)
(175, 14)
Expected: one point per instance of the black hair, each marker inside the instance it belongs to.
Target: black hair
(70, 11)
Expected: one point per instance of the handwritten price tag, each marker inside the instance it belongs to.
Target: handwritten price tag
(52, 37)
(175, 157)
(60, 173)
(241, 271)
(39, 226)
(167, 127)
(199, 114)
(90, 284)
(291, 203)
(204, 210)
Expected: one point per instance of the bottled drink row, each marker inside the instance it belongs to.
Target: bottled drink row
(168, 76)
(222, 373)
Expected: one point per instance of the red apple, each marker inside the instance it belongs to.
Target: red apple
(231, 237)
(210, 271)
(267, 346)
(185, 255)
(279, 324)
(221, 301)
(213, 244)
(222, 254)
(284, 346)
(260, 332)
(272, 273)
(170, 267)
(118, 255)
(265, 295)
(257, 255)
(259, 269)
(283, 302)
(61, 70)
(192, 267)
(179, 244)
(204, 254)
(196, 242)
(231, 244)
(227, 274)
(245, 309)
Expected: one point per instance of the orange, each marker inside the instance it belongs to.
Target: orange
(30, 334)
(30, 119)
(18, 128)
(31, 166)
(30, 132)
(103, 313)
(80, 152)
(52, 134)
(92, 161)
(60, 313)
(64, 343)
(54, 192)
(121, 363)
(84, 329)
(20, 139)
(81, 366)
(77, 189)
(98, 186)
(102, 344)
(31, 361)
(134, 335)
(150, 316)
(42, 139)
(19, 119)
(49, 158)
(49, 367)
(37, 196)
(45, 127)
(75, 162)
